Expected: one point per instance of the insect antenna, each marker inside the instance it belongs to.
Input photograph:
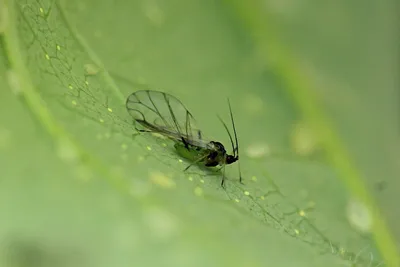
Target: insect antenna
(235, 150)
(230, 136)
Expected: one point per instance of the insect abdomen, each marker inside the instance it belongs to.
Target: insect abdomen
(191, 153)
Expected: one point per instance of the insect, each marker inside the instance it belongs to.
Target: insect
(162, 113)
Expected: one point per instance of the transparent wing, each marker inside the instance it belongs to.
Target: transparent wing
(162, 113)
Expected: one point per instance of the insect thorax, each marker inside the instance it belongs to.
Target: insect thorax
(216, 154)
(216, 146)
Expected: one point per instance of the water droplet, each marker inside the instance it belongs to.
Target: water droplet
(359, 216)
(257, 150)
(161, 179)
(91, 69)
(302, 213)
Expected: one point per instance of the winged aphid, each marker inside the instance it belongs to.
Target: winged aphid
(162, 113)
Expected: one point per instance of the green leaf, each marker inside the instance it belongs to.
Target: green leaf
(81, 188)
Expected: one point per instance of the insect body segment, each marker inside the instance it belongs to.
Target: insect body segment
(162, 113)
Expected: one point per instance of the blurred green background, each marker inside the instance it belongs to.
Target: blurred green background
(314, 90)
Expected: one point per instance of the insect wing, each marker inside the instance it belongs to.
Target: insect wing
(161, 113)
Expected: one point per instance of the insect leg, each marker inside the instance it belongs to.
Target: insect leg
(195, 162)
(223, 178)
(185, 143)
(141, 130)
(240, 173)
(220, 168)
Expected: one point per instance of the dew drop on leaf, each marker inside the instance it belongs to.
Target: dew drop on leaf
(91, 69)
(161, 179)
(359, 216)
(257, 150)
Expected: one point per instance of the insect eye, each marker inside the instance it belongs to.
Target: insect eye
(230, 159)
